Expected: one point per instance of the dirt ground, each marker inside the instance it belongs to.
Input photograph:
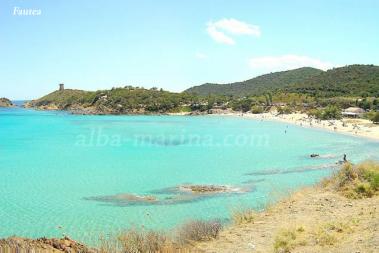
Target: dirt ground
(311, 220)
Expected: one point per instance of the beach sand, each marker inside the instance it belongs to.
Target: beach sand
(355, 127)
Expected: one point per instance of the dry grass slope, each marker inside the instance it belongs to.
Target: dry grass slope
(339, 215)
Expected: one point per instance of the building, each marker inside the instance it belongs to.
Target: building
(61, 86)
(353, 112)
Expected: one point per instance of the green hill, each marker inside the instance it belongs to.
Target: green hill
(257, 85)
(304, 84)
(353, 80)
(115, 101)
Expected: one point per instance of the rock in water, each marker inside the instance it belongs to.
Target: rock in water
(5, 102)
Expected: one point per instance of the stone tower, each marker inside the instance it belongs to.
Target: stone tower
(61, 86)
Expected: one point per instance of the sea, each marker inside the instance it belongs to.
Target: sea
(88, 176)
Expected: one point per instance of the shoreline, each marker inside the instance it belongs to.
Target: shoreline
(355, 127)
(360, 128)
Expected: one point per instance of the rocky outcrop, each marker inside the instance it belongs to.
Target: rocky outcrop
(4, 102)
(174, 195)
(65, 244)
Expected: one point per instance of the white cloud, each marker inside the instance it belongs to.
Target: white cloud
(200, 56)
(218, 36)
(286, 62)
(231, 26)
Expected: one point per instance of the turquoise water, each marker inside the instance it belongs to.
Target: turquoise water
(52, 162)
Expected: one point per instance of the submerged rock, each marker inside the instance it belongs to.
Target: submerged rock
(203, 189)
(293, 170)
(173, 195)
(199, 189)
(124, 197)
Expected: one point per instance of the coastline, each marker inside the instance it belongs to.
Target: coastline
(353, 127)
(356, 127)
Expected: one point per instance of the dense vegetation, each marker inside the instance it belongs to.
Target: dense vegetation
(330, 112)
(258, 85)
(120, 100)
(356, 181)
(375, 118)
(320, 94)
(353, 80)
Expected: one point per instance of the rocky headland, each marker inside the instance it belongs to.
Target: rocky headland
(5, 102)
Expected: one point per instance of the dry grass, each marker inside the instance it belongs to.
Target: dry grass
(288, 239)
(198, 230)
(327, 234)
(138, 241)
(135, 241)
(356, 181)
(243, 216)
(146, 241)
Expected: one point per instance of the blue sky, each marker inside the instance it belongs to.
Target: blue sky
(175, 44)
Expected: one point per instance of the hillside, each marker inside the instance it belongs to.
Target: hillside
(353, 80)
(257, 85)
(4, 102)
(126, 100)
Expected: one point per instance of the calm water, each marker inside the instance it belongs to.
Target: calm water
(52, 162)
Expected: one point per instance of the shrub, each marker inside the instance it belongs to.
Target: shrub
(284, 110)
(324, 237)
(375, 118)
(256, 109)
(287, 240)
(316, 113)
(198, 230)
(364, 189)
(139, 241)
(243, 216)
(369, 115)
(243, 105)
(370, 172)
(331, 112)
(361, 180)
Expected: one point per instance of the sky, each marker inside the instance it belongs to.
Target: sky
(171, 44)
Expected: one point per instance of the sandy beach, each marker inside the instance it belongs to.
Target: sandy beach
(355, 127)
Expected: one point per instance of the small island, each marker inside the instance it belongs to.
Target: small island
(5, 102)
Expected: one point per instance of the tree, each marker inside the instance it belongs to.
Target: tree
(245, 105)
(375, 118)
(210, 102)
(331, 112)
(268, 98)
(285, 110)
(256, 109)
